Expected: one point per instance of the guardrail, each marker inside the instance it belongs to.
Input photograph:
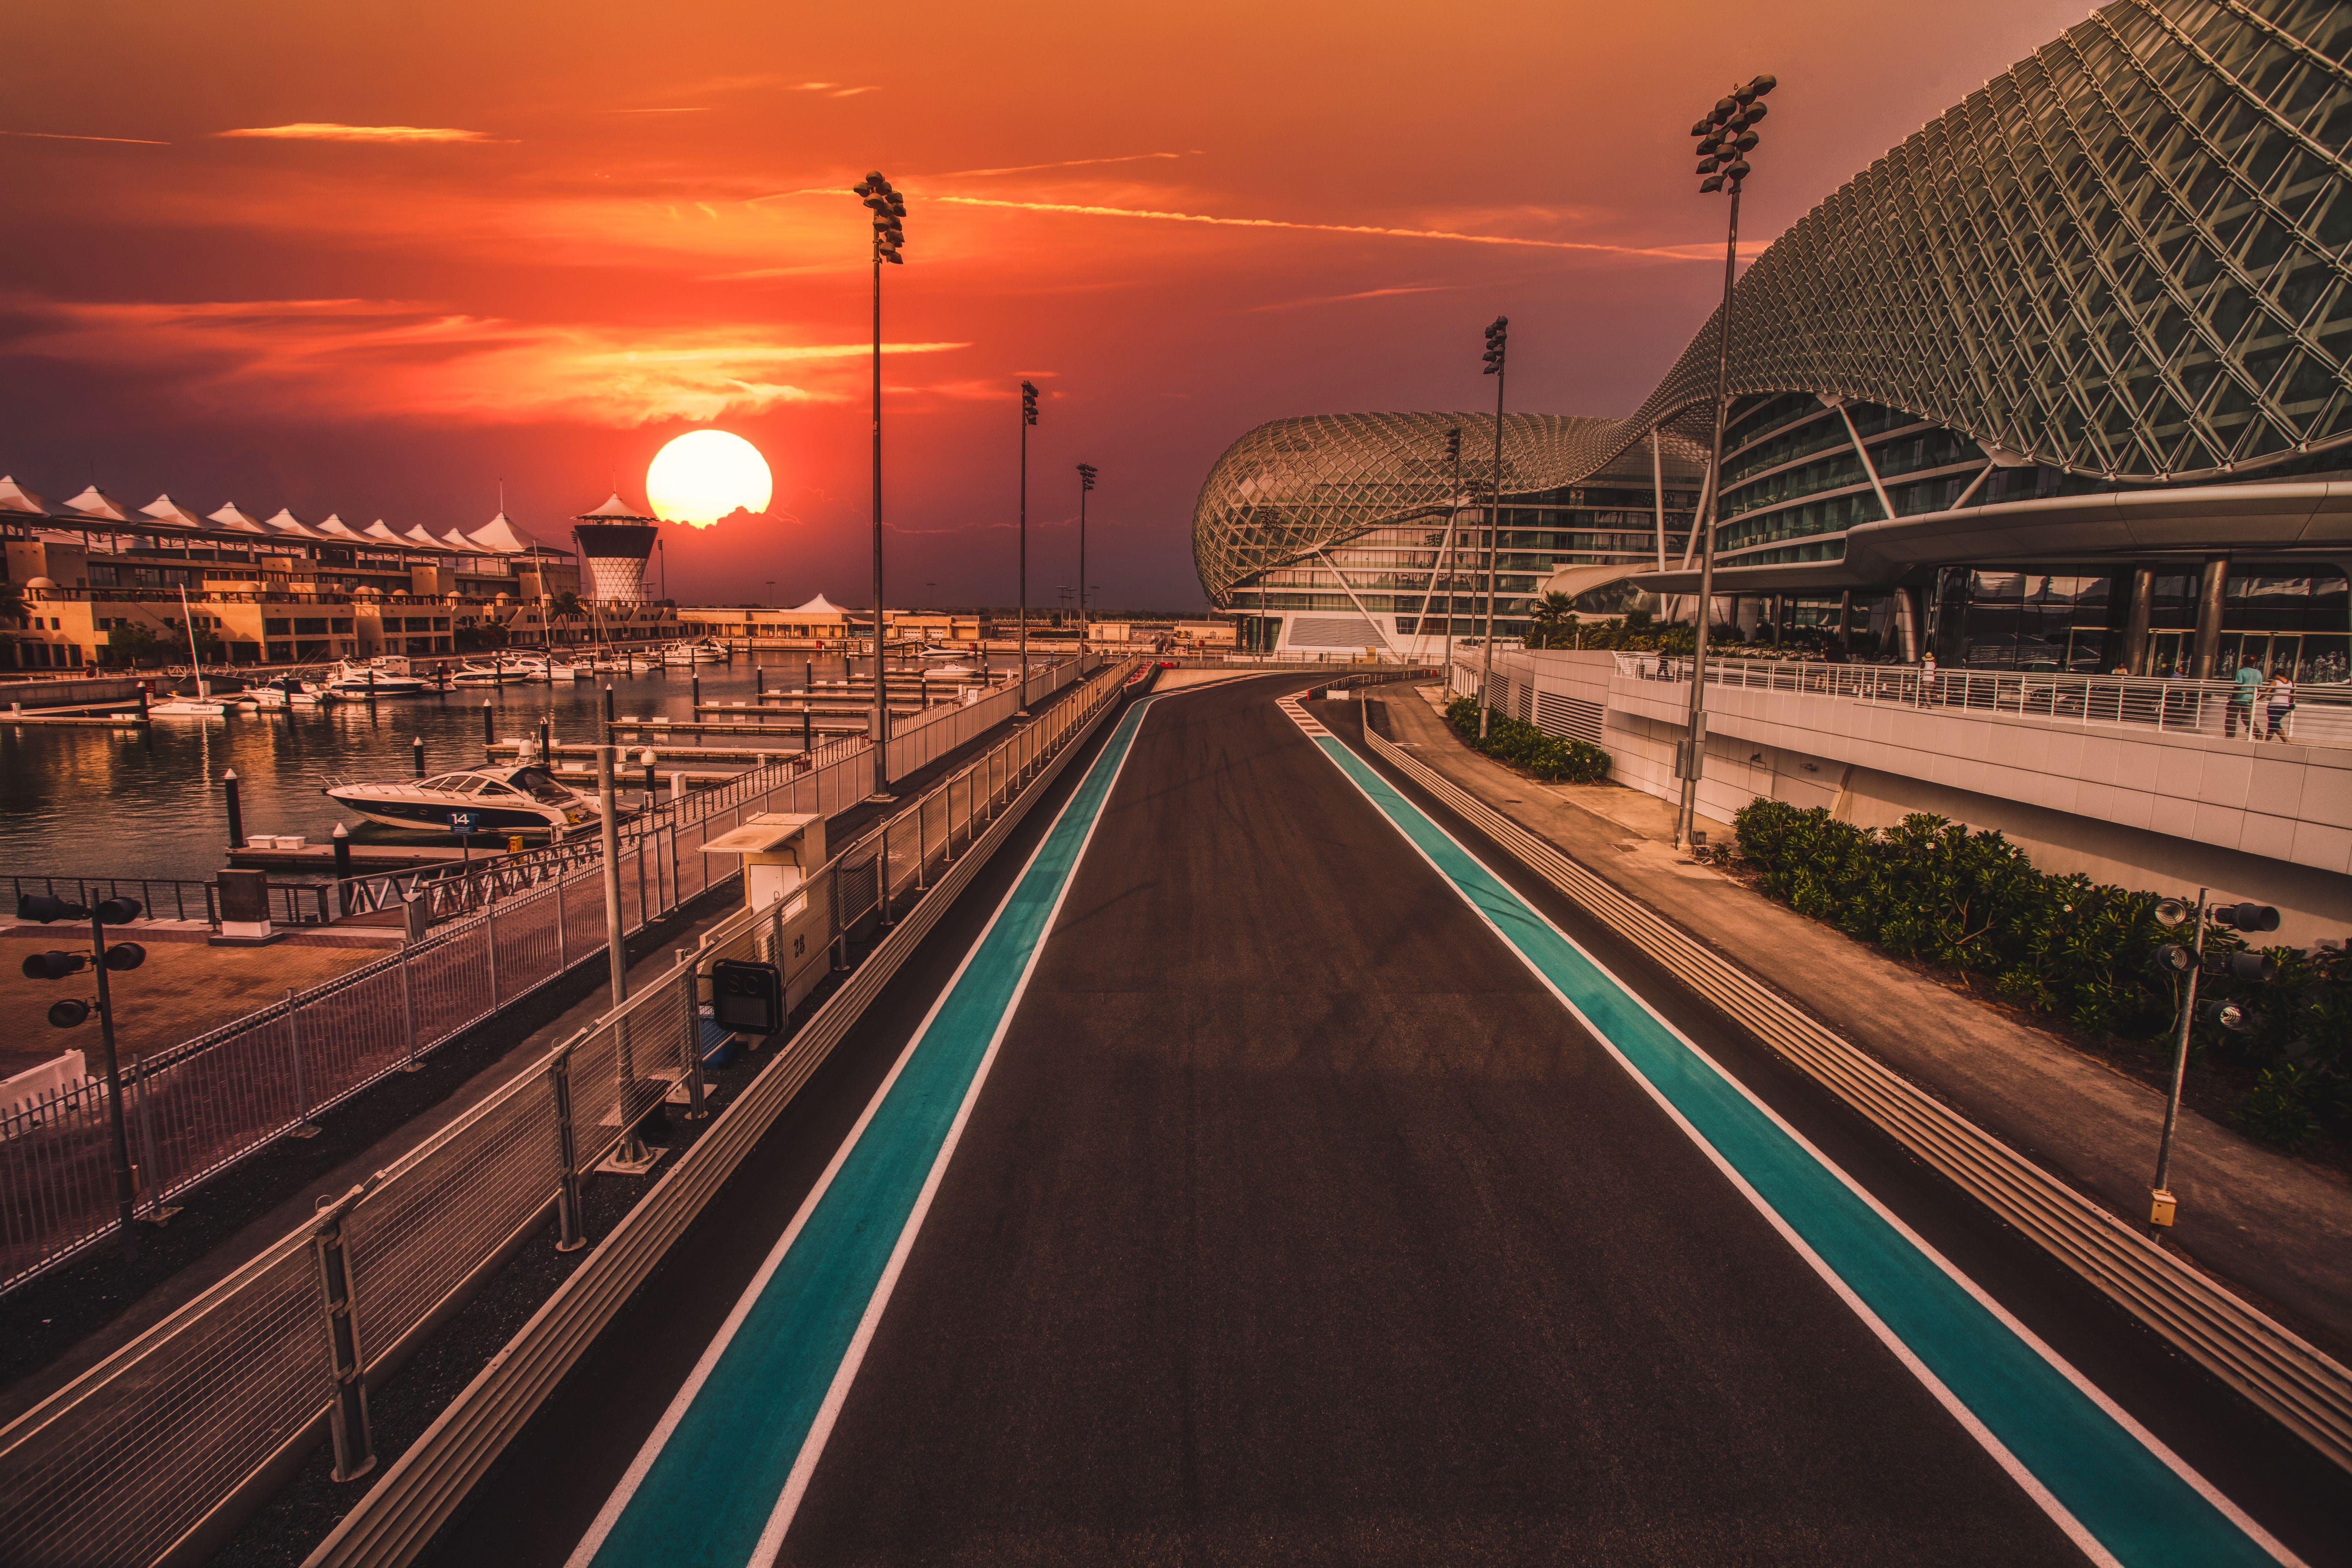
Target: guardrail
(197, 1108)
(2321, 714)
(939, 730)
(181, 1430)
(2292, 1381)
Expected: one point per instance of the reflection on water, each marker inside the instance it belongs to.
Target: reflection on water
(93, 802)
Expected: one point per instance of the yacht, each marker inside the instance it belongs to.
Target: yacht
(201, 705)
(548, 667)
(285, 692)
(496, 670)
(516, 799)
(705, 651)
(385, 677)
(620, 664)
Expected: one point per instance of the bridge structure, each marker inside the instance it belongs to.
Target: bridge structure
(1264, 1158)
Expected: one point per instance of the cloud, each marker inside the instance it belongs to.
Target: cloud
(1065, 164)
(62, 136)
(697, 108)
(1385, 231)
(326, 130)
(359, 359)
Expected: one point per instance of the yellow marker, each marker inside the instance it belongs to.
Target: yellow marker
(2160, 1207)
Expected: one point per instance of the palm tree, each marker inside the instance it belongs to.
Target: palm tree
(1553, 615)
(564, 606)
(12, 601)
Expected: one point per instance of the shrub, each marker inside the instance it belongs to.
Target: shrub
(1550, 758)
(1974, 902)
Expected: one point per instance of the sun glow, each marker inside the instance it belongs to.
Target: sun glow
(703, 475)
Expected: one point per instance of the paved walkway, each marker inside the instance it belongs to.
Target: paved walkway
(2278, 1228)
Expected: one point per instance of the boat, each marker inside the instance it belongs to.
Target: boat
(285, 692)
(496, 670)
(619, 664)
(705, 651)
(524, 798)
(201, 705)
(547, 666)
(388, 676)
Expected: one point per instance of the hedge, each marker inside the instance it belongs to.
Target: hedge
(1931, 890)
(1547, 757)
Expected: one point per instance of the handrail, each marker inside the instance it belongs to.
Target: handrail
(2295, 1381)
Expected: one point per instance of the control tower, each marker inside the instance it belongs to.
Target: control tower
(614, 543)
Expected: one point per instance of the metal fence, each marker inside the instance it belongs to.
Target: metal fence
(132, 1458)
(2321, 714)
(197, 1108)
(936, 732)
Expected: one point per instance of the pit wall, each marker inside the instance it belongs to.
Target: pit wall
(2167, 813)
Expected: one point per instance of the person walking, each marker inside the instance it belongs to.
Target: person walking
(1927, 680)
(2247, 680)
(2282, 704)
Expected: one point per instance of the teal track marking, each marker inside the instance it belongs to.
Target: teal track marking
(2121, 1496)
(715, 1482)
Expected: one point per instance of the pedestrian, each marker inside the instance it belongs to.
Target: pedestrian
(2245, 684)
(1927, 679)
(2282, 704)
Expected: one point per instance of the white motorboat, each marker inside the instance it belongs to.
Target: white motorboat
(547, 666)
(201, 705)
(705, 651)
(619, 664)
(513, 799)
(286, 692)
(496, 670)
(385, 677)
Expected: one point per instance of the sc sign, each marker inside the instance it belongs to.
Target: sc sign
(747, 996)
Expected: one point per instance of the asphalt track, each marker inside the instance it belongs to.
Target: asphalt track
(1295, 1217)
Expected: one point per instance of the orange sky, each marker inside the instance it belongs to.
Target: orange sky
(571, 233)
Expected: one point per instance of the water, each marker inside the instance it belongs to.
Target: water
(95, 802)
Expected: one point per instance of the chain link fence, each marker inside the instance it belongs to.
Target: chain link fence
(146, 1455)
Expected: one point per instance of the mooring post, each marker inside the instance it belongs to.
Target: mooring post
(236, 810)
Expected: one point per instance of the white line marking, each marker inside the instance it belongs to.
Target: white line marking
(2033, 1488)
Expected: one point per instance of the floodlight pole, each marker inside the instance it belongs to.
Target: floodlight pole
(126, 1184)
(1021, 589)
(1687, 818)
(881, 682)
(2180, 1052)
(1494, 549)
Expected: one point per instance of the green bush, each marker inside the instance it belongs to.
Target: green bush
(1972, 901)
(1549, 758)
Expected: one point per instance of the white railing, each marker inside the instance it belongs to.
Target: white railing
(2321, 715)
(121, 1465)
(937, 730)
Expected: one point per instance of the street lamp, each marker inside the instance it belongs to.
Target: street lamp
(1028, 419)
(1726, 138)
(1085, 483)
(890, 210)
(103, 958)
(2189, 964)
(1497, 343)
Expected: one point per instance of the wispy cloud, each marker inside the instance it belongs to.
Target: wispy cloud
(1382, 230)
(62, 136)
(1065, 164)
(326, 130)
(331, 359)
(1361, 294)
(696, 109)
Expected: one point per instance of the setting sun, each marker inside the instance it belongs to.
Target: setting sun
(703, 475)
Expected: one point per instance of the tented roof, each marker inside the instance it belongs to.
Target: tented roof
(336, 528)
(616, 510)
(96, 502)
(416, 534)
(500, 534)
(457, 541)
(283, 521)
(163, 509)
(237, 517)
(14, 497)
(380, 529)
(820, 607)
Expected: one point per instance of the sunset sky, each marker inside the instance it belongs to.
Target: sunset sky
(372, 260)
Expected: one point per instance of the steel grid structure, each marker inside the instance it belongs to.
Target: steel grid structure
(2128, 257)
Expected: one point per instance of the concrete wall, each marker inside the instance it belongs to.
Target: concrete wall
(2120, 803)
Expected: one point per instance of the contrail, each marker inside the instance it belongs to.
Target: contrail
(61, 136)
(1316, 227)
(1065, 163)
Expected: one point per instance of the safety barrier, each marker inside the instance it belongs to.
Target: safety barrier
(2293, 1381)
(154, 1454)
(197, 1108)
(936, 732)
(398, 1516)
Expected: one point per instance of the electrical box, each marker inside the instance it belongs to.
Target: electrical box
(2161, 1208)
(747, 996)
(779, 851)
(243, 902)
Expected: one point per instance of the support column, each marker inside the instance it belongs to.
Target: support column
(1906, 623)
(1845, 622)
(2209, 594)
(2136, 617)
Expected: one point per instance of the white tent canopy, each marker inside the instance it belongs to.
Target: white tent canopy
(500, 534)
(336, 528)
(14, 497)
(457, 541)
(380, 530)
(283, 521)
(616, 510)
(96, 502)
(163, 509)
(416, 534)
(237, 518)
(822, 609)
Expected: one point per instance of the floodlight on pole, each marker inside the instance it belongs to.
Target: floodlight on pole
(1028, 419)
(1086, 484)
(890, 210)
(1725, 139)
(1497, 347)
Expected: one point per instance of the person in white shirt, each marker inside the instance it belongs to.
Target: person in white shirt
(2281, 701)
